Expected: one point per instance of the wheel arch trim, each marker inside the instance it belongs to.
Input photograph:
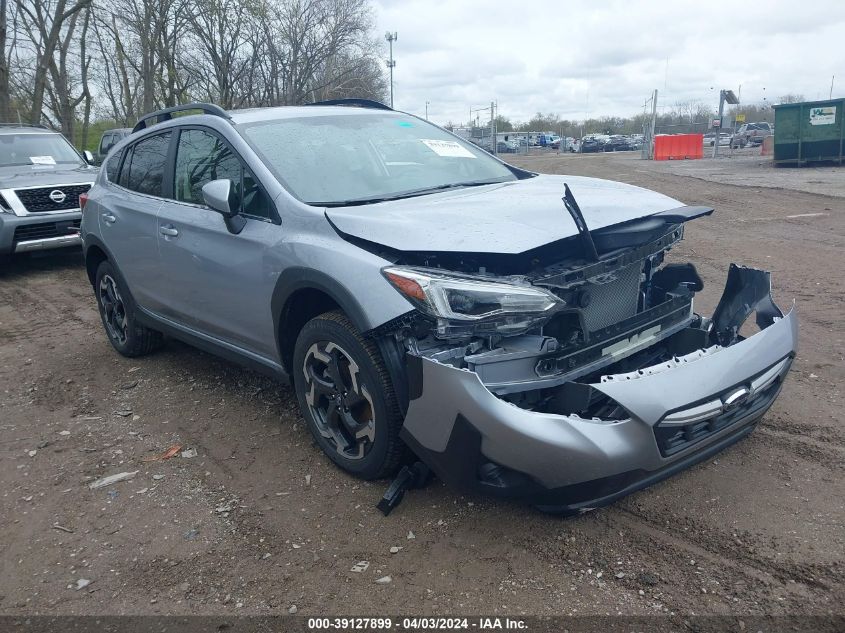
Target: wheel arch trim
(295, 279)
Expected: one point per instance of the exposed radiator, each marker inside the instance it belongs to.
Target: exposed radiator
(613, 301)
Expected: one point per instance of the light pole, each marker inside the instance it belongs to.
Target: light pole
(426, 110)
(391, 64)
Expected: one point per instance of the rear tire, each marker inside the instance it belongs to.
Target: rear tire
(346, 397)
(117, 312)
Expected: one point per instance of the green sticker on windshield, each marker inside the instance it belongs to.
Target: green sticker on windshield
(405, 124)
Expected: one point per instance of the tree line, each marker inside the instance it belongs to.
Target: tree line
(682, 117)
(67, 63)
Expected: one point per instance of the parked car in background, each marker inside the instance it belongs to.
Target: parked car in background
(752, 134)
(617, 143)
(430, 300)
(546, 140)
(724, 139)
(565, 144)
(511, 146)
(109, 139)
(592, 144)
(42, 177)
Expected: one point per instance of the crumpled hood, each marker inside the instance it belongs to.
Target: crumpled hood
(507, 218)
(45, 175)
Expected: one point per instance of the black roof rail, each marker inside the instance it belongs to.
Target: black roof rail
(38, 125)
(166, 113)
(355, 103)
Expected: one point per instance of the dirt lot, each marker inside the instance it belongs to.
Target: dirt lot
(259, 521)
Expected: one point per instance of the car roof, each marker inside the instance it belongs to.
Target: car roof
(25, 129)
(257, 115)
(254, 115)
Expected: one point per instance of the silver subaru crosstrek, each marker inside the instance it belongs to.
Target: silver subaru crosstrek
(520, 334)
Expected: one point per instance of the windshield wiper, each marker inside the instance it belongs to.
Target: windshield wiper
(405, 194)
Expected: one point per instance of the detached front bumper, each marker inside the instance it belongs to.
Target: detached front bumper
(680, 412)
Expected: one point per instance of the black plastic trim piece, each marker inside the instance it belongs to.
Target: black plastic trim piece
(263, 366)
(301, 278)
(354, 103)
(166, 113)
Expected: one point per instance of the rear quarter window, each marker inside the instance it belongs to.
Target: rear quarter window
(113, 167)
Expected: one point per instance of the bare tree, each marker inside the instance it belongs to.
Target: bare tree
(45, 21)
(5, 97)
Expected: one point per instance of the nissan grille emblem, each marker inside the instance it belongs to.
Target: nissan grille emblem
(58, 196)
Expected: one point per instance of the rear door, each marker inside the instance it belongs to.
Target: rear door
(217, 281)
(128, 213)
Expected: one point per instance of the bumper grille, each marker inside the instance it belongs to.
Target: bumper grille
(673, 439)
(38, 200)
(44, 230)
(614, 301)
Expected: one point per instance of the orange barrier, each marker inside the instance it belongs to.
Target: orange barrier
(678, 146)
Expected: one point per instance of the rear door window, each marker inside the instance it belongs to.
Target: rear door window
(144, 171)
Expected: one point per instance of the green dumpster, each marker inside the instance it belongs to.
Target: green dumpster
(812, 131)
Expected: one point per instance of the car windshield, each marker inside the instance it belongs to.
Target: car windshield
(36, 149)
(364, 158)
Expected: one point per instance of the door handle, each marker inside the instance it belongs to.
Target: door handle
(109, 218)
(168, 230)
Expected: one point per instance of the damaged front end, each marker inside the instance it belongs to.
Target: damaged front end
(576, 382)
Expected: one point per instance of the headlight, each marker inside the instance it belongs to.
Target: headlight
(465, 306)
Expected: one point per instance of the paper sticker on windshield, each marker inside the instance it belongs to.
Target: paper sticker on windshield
(447, 148)
(42, 160)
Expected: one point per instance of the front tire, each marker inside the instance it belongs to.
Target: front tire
(117, 312)
(346, 397)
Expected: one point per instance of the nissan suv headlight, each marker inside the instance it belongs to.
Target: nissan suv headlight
(472, 306)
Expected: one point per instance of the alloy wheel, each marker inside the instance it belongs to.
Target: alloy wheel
(339, 402)
(113, 309)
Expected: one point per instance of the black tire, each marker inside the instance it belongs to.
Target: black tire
(117, 312)
(355, 421)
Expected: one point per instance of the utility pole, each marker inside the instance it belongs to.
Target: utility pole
(391, 64)
(830, 95)
(653, 124)
(493, 128)
(426, 110)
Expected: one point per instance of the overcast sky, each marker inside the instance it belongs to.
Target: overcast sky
(580, 58)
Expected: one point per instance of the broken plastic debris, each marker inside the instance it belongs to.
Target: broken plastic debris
(191, 452)
(384, 580)
(170, 452)
(361, 566)
(82, 583)
(112, 479)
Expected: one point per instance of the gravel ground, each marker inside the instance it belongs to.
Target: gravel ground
(259, 521)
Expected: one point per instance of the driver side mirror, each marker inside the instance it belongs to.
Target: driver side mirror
(220, 196)
(89, 157)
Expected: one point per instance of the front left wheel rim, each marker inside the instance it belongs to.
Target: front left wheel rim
(113, 309)
(338, 400)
